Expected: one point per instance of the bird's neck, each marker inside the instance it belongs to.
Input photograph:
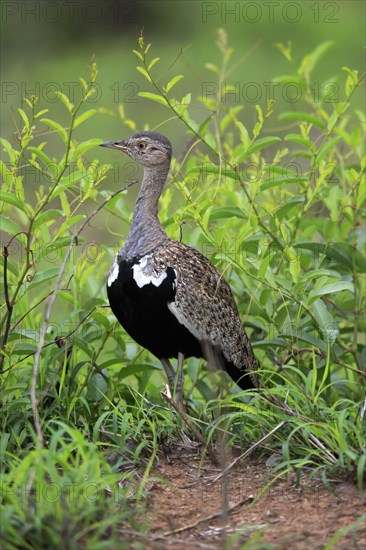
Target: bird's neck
(146, 232)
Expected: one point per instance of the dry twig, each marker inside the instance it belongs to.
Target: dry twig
(248, 451)
(165, 395)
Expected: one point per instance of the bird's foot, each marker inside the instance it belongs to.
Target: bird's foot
(174, 388)
(175, 398)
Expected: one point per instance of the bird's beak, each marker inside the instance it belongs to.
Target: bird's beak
(120, 145)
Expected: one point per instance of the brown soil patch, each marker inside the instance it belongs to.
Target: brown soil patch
(186, 510)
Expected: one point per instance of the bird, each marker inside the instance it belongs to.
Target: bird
(168, 296)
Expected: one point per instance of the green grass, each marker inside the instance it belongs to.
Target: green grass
(279, 211)
(63, 495)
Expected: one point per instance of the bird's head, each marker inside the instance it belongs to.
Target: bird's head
(147, 148)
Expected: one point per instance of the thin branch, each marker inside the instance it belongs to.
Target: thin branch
(53, 341)
(165, 395)
(6, 288)
(196, 133)
(9, 303)
(165, 538)
(363, 410)
(34, 307)
(346, 366)
(173, 63)
(316, 442)
(249, 451)
(52, 299)
(9, 307)
(216, 515)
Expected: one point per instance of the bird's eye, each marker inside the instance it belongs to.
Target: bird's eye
(141, 145)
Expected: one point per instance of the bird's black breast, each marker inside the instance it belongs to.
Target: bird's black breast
(142, 309)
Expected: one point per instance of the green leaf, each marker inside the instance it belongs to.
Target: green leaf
(322, 315)
(342, 253)
(310, 61)
(173, 82)
(136, 369)
(264, 266)
(24, 348)
(258, 126)
(7, 177)
(282, 180)
(12, 199)
(204, 125)
(294, 80)
(9, 226)
(65, 100)
(48, 215)
(293, 261)
(87, 145)
(41, 112)
(332, 120)
(305, 117)
(138, 54)
(285, 50)
(72, 178)
(302, 336)
(326, 145)
(24, 117)
(193, 125)
(352, 80)
(182, 105)
(228, 212)
(47, 251)
(57, 127)
(257, 145)
(209, 139)
(64, 202)
(144, 72)
(302, 141)
(153, 97)
(230, 117)
(68, 181)
(213, 169)
(97, 386)
(152, 63)
(283, 211)
(212, 67)
(51, 165)
(81, 118)
(43, 276)
(8, 148)
(269, 343)
(361, 468)
(101, 319)
(330, 289)
(70, 221)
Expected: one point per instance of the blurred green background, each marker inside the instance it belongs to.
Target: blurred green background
(47, 45)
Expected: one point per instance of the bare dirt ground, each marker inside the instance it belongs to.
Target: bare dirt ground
(187, 510)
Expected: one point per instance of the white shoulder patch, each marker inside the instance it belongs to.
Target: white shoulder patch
(113, 274)
(142, 275)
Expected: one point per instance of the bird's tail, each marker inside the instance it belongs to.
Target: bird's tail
(245, 377)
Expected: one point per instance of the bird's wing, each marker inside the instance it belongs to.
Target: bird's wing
(204, 303)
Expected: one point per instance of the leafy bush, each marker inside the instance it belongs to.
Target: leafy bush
(280, 212)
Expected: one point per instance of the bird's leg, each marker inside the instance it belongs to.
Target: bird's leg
(180, 378)
(170, 373)
(175, 379)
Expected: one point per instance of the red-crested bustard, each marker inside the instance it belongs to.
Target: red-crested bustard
(167, 296)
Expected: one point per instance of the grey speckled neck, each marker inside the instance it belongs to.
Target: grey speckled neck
(146, 233)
